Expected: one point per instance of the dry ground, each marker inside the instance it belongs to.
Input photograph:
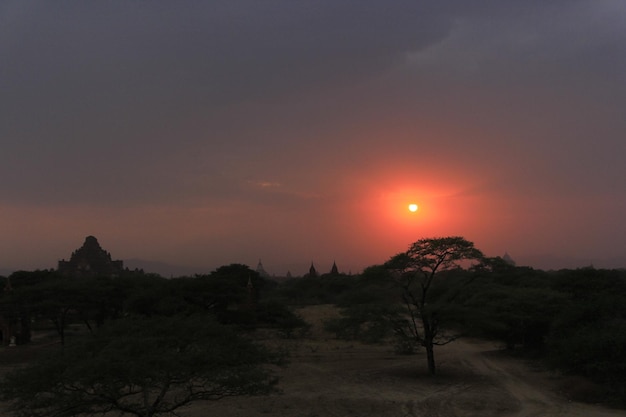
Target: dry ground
(330, 378)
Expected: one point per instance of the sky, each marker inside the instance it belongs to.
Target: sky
(204, 133)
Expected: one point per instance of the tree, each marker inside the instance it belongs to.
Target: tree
(240, 274)
(426, 303)
(515, 315)
(588, 334)
(55, 299)
(142, 367)
(368, 309)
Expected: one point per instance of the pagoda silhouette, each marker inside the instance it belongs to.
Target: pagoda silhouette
(90, 260)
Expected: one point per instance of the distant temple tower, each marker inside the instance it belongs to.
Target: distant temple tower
(90, 260)
(334, 270)
(261, 271)
(253, 295)
(312, 271)
(507, 258)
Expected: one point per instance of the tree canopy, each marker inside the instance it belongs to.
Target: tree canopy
(415, 271)
(144, 367)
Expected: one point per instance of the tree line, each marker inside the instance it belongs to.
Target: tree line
(438, 290)
(140, 344)
(574, 320)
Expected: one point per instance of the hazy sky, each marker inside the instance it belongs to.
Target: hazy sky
(202, 133)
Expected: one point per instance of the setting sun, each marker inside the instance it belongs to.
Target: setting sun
(413, 207)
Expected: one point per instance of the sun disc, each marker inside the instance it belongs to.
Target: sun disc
(413, 207)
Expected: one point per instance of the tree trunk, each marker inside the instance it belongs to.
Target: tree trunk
(429, 338)
(430, 355)
(59, 324)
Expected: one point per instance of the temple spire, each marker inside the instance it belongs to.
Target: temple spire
(261, 271)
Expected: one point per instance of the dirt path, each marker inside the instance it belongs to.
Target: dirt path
(330, 378)
(533, 391)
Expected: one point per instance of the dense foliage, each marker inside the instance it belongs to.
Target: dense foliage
(142, 366)
(233, 294)
(140, 344)
(588, 335)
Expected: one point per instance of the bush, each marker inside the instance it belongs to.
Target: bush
(363, 322)
(278, 316)
(144, 367)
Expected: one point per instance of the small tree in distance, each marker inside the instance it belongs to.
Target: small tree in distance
(416, 271)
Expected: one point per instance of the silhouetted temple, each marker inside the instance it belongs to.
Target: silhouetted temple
(507, 258)
(334, 270)
(312, 271)
(261, 271)
(91, 260)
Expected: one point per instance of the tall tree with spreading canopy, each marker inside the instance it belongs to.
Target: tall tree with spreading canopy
(416, 271)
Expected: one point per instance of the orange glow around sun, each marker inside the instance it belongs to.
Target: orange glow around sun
(399, 208)
(406, 212)
(384, 215)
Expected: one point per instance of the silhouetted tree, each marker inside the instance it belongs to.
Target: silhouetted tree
(144, 367)
(53, 299)
(416, 271)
